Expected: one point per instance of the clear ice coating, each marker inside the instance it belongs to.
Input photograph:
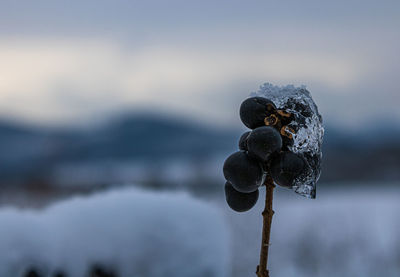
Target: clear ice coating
(308, 130)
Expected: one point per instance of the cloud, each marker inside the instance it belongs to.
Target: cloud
(51, 80)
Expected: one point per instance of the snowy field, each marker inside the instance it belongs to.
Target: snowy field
(128, 232)
(135, 233)
(356, 233)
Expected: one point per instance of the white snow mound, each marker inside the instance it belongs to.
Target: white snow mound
(131, 231)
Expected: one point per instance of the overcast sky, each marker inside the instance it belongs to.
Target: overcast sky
(63, 62)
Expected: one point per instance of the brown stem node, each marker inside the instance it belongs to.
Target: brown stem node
(287, 131)
(271, 120)
(284, 113)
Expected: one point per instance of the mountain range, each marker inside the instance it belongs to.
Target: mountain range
(33, 153)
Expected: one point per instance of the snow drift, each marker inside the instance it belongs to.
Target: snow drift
(348, 232)
(129, 231)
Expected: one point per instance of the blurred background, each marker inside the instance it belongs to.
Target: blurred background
(98, 96)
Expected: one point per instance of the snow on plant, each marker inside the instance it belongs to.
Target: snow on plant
(284, 147)
(128, 232)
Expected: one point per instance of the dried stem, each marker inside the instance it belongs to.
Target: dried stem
(267, 214)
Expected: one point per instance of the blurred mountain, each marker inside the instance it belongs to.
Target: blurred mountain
(371, 153)
(146, 146)
(29, 153)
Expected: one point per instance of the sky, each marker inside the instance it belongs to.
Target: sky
(68, 62)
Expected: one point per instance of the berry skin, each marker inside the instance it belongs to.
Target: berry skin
(244, 173)
(286, 167)
(263, 141)
(254, 110)
(243, 141)
(238, 201)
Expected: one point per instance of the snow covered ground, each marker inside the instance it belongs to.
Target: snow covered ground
(128, 231)
(344, 232)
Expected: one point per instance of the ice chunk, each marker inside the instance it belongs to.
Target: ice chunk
(308, 130)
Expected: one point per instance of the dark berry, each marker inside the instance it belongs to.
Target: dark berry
(254, 110)
(238, 201)
(243, 141)
(244, 173)
(263, 141)
(286, 167)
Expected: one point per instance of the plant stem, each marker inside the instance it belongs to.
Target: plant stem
(267, 214)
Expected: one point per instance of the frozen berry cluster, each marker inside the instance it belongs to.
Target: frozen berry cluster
(263, 151)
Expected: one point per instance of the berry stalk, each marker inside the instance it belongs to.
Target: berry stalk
(267, 214)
